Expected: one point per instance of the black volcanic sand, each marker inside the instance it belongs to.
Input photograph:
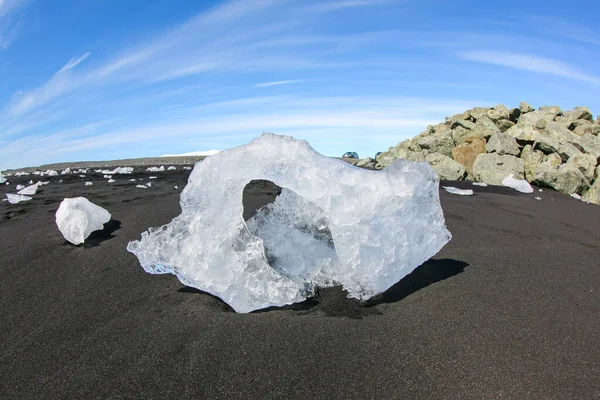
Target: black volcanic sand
(510, 308)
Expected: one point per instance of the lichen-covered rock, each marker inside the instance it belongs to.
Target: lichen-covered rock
(466, 153)
(523, 132)
(589, 144)
(493, 168)
(564, 178)
(525, 108)
(437, 144)
(531, 159)
(593, 194)
(587, 127)
(502, 143)
(483, 129)
(567, 150)
(445, 167)
(586, 163)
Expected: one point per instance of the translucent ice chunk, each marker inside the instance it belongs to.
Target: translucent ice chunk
(2, 178)
(479, 184)
(29, 190)
(460, 192)
(111, 181)
(156, 169)
(17, 198)
(141, 186)
(332, 224)
(172, 168)
(88, 183)
(76, 218)
(520, 185)
(118, 170)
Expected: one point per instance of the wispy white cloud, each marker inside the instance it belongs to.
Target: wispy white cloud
(529, 62)
(74, 62)
(341, 4)
(9, 23)
(276, 83)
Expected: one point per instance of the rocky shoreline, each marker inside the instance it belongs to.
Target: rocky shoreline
(548, 147)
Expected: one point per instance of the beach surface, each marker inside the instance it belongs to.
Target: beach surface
(509, 309)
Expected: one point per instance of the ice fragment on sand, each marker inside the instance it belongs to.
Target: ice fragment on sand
(151, 177)
(76, 218)
(460, 192)
(29, 190)
(479, 184)
(537, 198)
(141, 186)
(187, 168)
(107, 176)
(82, 176)
(88, 183)
(175, 187)
(132, 180)
(16, 198)
(520, 185)
(540, 190)
(576, 196)
(111, 181)
(156, 169)
(171, 168)
(2, 178)
(332, 224)
(51, 173)
(118, 170)
(66, 171)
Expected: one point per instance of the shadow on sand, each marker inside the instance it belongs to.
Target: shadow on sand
(97, 237)
(333, 301)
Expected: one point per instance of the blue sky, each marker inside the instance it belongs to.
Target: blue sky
(109, 79)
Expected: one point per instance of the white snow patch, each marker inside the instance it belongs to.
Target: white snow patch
(77, 218)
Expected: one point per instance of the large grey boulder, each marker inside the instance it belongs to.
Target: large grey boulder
(585, 163)
(546, 143)
(493, 168)
(581, 112)
(563, 178)
(525, 108)
(502, 143)
(587, 127)
(531, 159)
(498, 113)
(547, 112)
(478, 112)
(567, 150)
(445, 167)
(365, 162)
(560, 132)
(523, 132)
(505, 125)
(437, 143)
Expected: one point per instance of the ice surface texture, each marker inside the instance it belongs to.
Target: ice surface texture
(332, 224)
(17, 198)
(76, 218)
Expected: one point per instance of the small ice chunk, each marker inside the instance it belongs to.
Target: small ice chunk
(187, 168)
(152, 177)
(31, 182)
(107, 176)
(66, 171)
(51, 173)
(7, 183)
(20, 187)
(156, 169)
(111, 181)
(118, 170)
(537, 198)
(148, 184)
(43, 183)
(540, 190)
(576, 196)
(520, 185)
(82, 176)
(479, 184)
(77, 217)
(175, 187)
(141, 186)
(2, 178)
(98, 171)
(29, 190)
(88, 183)
(132, 180)
(460, 192)
(61, 181)
(36, 173)
(171, 168)
(16, 198)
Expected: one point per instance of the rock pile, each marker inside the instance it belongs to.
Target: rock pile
(548, 147)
